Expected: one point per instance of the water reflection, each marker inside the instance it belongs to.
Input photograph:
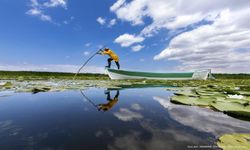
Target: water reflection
(104, 106)
(204, 119)
(111, 101)
(134, 119)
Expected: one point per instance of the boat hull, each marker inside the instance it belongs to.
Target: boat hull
(122, 74)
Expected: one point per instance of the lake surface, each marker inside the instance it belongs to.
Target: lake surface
(128, 119)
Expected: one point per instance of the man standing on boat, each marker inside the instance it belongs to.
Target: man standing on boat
(112, 56)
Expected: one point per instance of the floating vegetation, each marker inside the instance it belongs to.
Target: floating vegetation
(234, 141)
(6, 85)
(228, 99)
(231, 96)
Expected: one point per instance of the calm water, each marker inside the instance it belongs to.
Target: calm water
(129, 119)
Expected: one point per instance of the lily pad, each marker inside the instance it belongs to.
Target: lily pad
(192, 100)
(186, 93)
(234, 141)
(223, 106)
(183, 100)
(232, 108)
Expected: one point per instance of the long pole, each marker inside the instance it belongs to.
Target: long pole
(88, 99)
(86, 62)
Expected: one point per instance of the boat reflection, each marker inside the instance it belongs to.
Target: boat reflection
(104, 106)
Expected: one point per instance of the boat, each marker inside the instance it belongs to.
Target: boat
(115, 74)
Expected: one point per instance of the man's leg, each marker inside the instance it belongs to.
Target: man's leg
(108, 96)
(109, 62)
(117, 64)
(117, 94)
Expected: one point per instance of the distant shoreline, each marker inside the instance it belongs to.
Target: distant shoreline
(39, 75)
(30, 75)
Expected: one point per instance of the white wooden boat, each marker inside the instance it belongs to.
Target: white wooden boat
(124, 74)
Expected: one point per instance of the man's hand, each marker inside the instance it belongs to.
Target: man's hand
(99, 52)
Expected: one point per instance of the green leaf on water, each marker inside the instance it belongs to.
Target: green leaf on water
(227, 106)
(186, 93)
(234, 141)
(186, 100)
(232, 108)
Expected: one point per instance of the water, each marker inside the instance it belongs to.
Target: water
(131, 119)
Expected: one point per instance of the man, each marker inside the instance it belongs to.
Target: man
(112, 56)
(110, 104)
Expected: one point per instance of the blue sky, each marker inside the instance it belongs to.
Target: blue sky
(59, 35)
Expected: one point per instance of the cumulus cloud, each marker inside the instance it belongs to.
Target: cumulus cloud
(127, 40)
(101, 20)
(172, 14)
(220, 40)
(38, 9)
(224, 45)
(52, 68)
(137, 48)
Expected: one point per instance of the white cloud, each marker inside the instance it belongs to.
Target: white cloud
(127, 40)
(223, 44)
(107, 22)
(34, 12)
(86, 53)
(172, 14)
(117, 5)
(52, 68)
(101, 20)
(132, 12)
(56, 3)
(45, 18)
(112, 22)
(125, 114)
(136, 107)
(38, 9)
(217, 46)
(137, 48)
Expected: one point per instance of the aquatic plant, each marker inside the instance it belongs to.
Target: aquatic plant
(234, 141)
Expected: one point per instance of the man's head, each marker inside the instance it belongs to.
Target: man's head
(106, 49)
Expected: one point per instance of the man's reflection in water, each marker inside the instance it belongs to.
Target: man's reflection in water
(111, 102)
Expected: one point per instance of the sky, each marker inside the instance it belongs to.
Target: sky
(158, 35)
